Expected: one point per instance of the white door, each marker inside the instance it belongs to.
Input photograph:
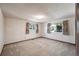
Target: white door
(1, 31)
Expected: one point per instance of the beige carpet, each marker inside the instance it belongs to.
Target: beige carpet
(39, 47)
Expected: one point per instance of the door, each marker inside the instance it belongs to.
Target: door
(1, 31)
(77, 28)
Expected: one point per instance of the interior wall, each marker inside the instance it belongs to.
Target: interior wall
(1, 31)
(15, 30)
(59, 36)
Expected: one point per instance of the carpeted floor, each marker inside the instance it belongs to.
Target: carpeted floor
(39, 47)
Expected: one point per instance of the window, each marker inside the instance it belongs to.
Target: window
(31, 28)
(54, 27)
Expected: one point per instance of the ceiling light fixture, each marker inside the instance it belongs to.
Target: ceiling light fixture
(39, 16)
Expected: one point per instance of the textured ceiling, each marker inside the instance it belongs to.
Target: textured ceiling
(27, 11)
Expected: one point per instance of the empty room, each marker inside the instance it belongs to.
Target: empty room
(37, 29)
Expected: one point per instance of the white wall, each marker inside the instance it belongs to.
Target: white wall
(15, 30)
(59, 36)
(1, 31)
